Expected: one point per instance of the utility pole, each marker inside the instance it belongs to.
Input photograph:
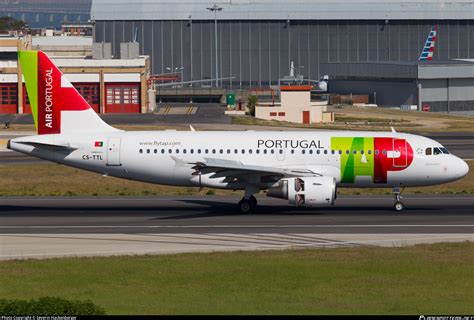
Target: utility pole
(215, 8)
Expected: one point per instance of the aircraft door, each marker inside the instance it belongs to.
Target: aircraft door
(113, 152)
(400, 156)
(280, 154)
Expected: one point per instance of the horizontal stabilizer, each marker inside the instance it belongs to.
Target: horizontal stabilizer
(55, 147)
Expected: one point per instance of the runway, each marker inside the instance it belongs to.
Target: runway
(430, 214)
(57, 227)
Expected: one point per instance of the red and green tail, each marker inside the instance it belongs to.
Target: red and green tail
(51, 94)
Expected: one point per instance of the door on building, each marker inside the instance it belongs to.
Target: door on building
(306, 117)
(8, 98)
(400, 157)
(26, 101)
(122, 98)
(113, 152)
(90, 92)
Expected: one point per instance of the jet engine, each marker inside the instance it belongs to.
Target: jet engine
(305, 191)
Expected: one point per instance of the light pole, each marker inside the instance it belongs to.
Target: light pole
(175, 70)
(215, 8)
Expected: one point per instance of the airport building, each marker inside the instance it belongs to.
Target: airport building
(250, 43)
(108, 85)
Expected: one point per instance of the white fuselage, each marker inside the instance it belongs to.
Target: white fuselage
(168, 157)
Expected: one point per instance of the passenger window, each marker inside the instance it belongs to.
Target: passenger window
(265, 151)
(376, 152)
(192, 150)
(156, 151)
(303, 151)
(141, 150)
(250, 151)
(428, 151)
(213, 150)
(333, 151)
(347, 151)
(354, 152)
(292, 151)
(221, 151)
(147, 150)
(325, 152)
(318, 151)
(162, 150)
(340, 151)
(272, 151)
(184, 150)
(258, 151)
(361, 151)
(177, 151)
(280, 151)
(384, 152)
(170, 151)
(310, 151)
(243, 151)
(369, 151)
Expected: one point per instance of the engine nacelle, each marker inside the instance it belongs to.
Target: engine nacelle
(305, 191)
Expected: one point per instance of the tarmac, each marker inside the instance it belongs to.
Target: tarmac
(72, 227)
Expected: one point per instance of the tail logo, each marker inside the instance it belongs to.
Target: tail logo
(49, 91)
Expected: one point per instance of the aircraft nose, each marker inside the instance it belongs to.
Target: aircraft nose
(462, 168)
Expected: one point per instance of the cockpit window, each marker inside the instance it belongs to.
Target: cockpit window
(436, 151)
(444, 150)
(428, 151)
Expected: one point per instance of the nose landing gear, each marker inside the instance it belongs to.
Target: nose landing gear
(398, 204)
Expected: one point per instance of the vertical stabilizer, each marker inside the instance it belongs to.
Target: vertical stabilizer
(428, 50)
(56, 105)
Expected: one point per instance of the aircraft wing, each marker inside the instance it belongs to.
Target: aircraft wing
(236, 169)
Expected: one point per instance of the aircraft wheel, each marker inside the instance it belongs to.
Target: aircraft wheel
(398, 206)
(253, 200)
(245, 206)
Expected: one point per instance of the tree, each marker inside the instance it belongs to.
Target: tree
(251, 104)
(11, 24)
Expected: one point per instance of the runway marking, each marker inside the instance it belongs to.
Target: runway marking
(335, 243)
(248, 226)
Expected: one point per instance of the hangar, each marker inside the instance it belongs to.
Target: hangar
(445, 86)
(255, 40)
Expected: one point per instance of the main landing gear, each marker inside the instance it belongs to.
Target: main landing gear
(248, 202)
(397, 199)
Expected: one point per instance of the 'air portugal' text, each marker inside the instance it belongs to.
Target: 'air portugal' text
(48, 102)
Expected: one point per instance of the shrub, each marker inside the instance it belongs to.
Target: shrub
(251, 103)
(49, 306)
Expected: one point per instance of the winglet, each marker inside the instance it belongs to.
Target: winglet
(393, 130)
(192, 128)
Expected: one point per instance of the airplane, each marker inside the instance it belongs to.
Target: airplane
(428, 49)
(305, 168)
